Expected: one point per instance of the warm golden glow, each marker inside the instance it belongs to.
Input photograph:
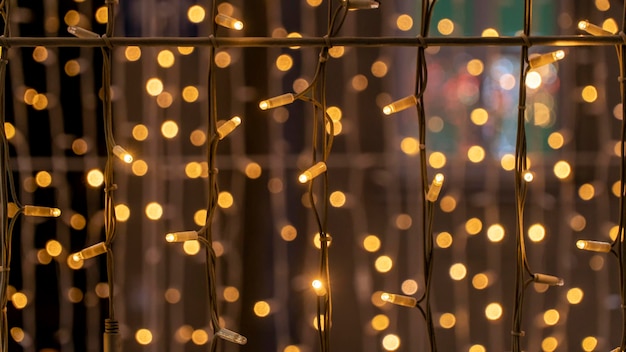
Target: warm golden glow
(284, 62)
(549, 344)
(480, 281)
(437, 160)
(379, 69)
(154, 211)
(132, 53)
(409, 287)
(380, 322)
(54, 248)
(154, 86)
(231, 294)
(473, 226)
(199, 337)
(495, 233)
(19, 300)
(404, 22)
(475, 67)
(166, 58)
(562, 169)
(551, 317)
(253, 170)
(337, 199)
(262, 309)
(140, 132)
(444, 240)
(493, 311)
(589, 94)
(139, 168)
(445, 26)
(589, 344)
(143, 336)
(190, 94)
(479, 116)
(391, 342)
(223, 59)
(102, 15)
(490, 32)
(371, 243)
(383, 264)
(95, 178)
(43, 179)
(122, 212)
(458, 271)
(196, 14)
(169, 129)
(447, 320)
(575, 295)
(225, 200)
(536, 233)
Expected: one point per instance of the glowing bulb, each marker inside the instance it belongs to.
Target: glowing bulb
(593, 246)
(82, 32)
(227, 127)
(181, 236)
(548, 280)
(361, 4)
(122, 154)
(400, 300)
(228, 22)
(528, 176)
(231, 336)
(277, 101)
(546, 59)
(312, 172)
(400, 105)
(435, 188)
(45, 212)
(319, 288)
(90, 252)
(592, 28)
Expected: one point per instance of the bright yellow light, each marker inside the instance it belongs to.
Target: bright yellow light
(54, 248)
(199, 337)
(475, 67)
(445, 26)
(615, 188)
(549, 344)
(551, 317)
(169, 129)
(225, 200)
(132, 53)
(495, 233)
(71, 263)
(312, 3)
(139, 167)
(603, 5)
(122, 212)
(480, 281)
(185, 50)
(9, 130)
(288, 233)
(610, 25)
(380, 322)
(154, 86)
(409, 287)
(458, 271)
(262, 309)
(477, 348)
(536, 233)
(533, 80)
(231, 294)
(562, 169)
(78, 222)
(479, 116)
(196, 14)
(154, 211)
(575, 295)
(337, 199)
(589, 344)
(199, 217)
(476, 154)
(391, 342)
(253, 170)
(95, 178)
(447, 320)
(404, 22)
(383, 264)
(43, 179)
(589, 94)
(337, 127)
(473, 226)
(493, 311)
(371, 243)
(191, 247)
(190, 94)
(140, 132)
(102, 15)
(437, 160)
(166, 58)
(223, 59)
(444, 240)
(336, 51)
(71, 18)
(295, 35)
(556, 140)
(284, 62)
(379, 69)
(40, 54)
(410, 146)
(143, 336)
(20, 301)
(294, 348)
(490, 32)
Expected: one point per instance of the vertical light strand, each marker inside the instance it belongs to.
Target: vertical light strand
(5, 170)
(622, 207)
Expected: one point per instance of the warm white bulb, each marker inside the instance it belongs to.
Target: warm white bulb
(231, 336)
(122, 154)
(227, 127)
(593, 246)
(312, 172)
(400, 105)
(277, 101)
(90, 252)
(45, 212)
(182, 236)
(228, 22)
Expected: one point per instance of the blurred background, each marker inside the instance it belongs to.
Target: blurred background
(265, 234)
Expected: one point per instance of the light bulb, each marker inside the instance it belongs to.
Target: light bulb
(228, 22)
(122, 154)
(312, 172)
(80, 32)
(181, 236)
(319, 288)
(548, 280)
(546, 59)
(90, 252)
(400, 105)
(231, 336)
(528, 176)
(400, 300)
(594, 246)
(44, 212)
(435, 188)
(277, 101)
(227, 127)
(361, 4)
(592, 28)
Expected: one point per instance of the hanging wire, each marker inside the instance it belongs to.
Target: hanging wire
(619, 240)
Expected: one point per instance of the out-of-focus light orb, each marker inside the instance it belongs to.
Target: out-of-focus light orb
(223, 59)
(19, 300)
(165, 100)
(196, 14)
(383, 264)
(444, 240)
(610, 25)
(490, 32)
(575, 295)
(336, 51)
(533, 80)
(578, 222)
(493, 311)
(284, 62)
(191, 247)
(476, 154)
(409, 287)
(294, 35)
(376, 299)
(562, 169)
(371, 243)
(102, 15)
(139, 167)
(72, 68)
(300, 85)
(475, 67)
(262, 309)
(447, 204)
(253, 170)
(197, 138)
(166, 58)
(473, 226)
(54, 248)
(40, 54)
(589, 94)
(437, 160)
(508, 162)
(507, 81)
(359, 83)
(551, 317)
(337, 127)
(199, 337)
(458, 271)
(9, 130)
(231, 294)
(596, 262)
(193, 169)
(43, 179)
(447, 320)
(337, 199)
(190, 94)
(17, 334)
(479, 116)
(313, 3)
(549, 344)
(445, 26)
(154, 211)
(379, 69)
(225, 200)
(536, 232)
(380, 322)
(391, 342)
(615, 188)
(477, 348)
(480, 281)
(617, 111)
(404, 221)
(404, 22)
(409, 146)
(71, 18)
(226, 8)
(556, 140)
(78, 222)
(602, 5)
(172, 295)
(74, 295)
(169, 129)
(495, 233)
(40, 102)
(154, 86)
(140, 132)
(589, 344)
(294, 348)
(335, 113)
(102, 290)
(199, 217)
(132, 53)
(143, 336)
(122, 212)
(95, 178)
(435, 124)
(185, 50)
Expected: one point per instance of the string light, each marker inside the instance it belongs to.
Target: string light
(592, 29)
(400, 105)
(90, 252)
(435, 188)
(228, 22)
(312, 172)
(546, 59)
(278, 101)
(360, 4)
(593, 246)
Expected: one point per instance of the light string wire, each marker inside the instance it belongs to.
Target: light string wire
(5, 184)
(619, 240)
(428, 208)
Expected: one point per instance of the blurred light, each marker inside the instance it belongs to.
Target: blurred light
(78, 222)
(409, 287)
(493, 311)
(40, 54)
(9, 130)
(288, 233)
(536, 233)
(404, 221)
(122, 212)
(556, 140)
(495, 233)
(479, 116)
(435, 124)
(507, 81)
(596, 263)
(473, 226)
(197, 138)
(199, 337)
(72, 68)
(95, 178)
(444, 240)
(231, 294)
(578, 222)
(80, 146)
(371, 243)
(43, 179)
(74, 295)
(17, 334)
(19, 300)
(445, 26)
(165, 58)
(143, 336)
(140, 132)
(490, 32)
(225, 200)
(336, 51)
(551, 317)
(262, 309)
(533, 80)
(284, 62)
(185, 50)
(193, 169)
(562, 169)
(610, 25)
(475, 67)
(379, 69)
(380, 322)
(477, 348)
(191, 247)
(383, 264)
(575, 295)
(476, 154)
(183, 334)
(447, 320)
(313, 3)
(602, 5)
(154, 86)
(196, 14)
(589, 94)
(223, 59)
(154, 211)
(391, 342)
(437, 160)
(404, 22)
(169, 129)
(480, 281)
(409, 146)
(199, 217)
(458, 271)
(102, 15)
(102, 290)
(337, 199)
(549, 344)
(71, 18)
(165, 100)
(139, 167)
(54, 248)
(295, 35)
(190, 94)
(359, 83)
(172, 295)
(447, 204)
(589, 344)
(132, 53)
(294, 348)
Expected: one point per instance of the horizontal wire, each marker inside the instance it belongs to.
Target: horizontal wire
(556, 41)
